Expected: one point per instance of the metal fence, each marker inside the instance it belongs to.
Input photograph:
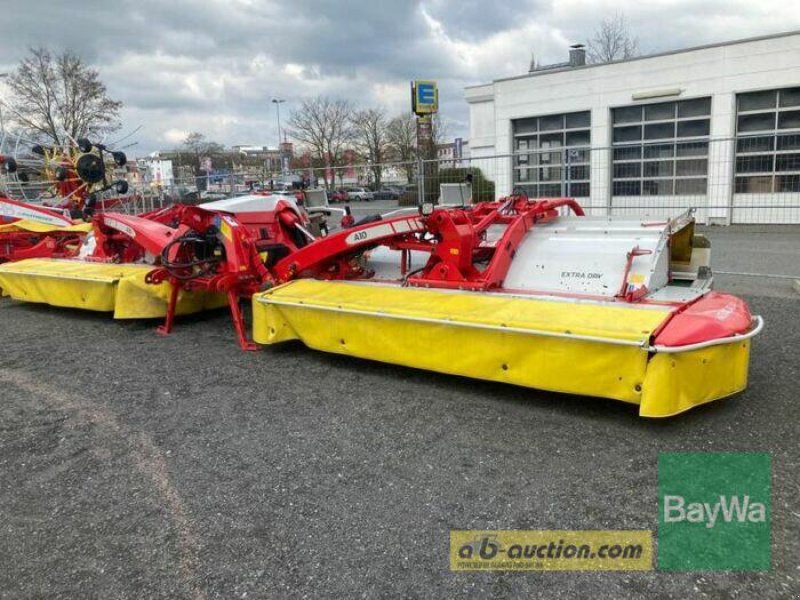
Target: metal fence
(724, 181)
(750, 179)
(753, 179)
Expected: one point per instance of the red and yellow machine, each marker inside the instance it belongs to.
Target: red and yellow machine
(597, 306)
(76, 176)
(31, 231)
(600, 306)
(177, 260)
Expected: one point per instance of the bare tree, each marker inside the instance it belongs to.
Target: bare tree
(59, 97)
(401, 134)
(612, 41)
(439, 130)
(198, 147)
(324, 127)
(372, 140)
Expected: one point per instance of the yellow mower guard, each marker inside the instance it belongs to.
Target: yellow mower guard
(104, 287)
(577, 347)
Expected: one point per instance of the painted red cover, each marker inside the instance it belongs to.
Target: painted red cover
(150, 235)
(714, 316)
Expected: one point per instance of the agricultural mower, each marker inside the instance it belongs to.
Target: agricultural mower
(177, 260)
(601, 306)
(31, 231)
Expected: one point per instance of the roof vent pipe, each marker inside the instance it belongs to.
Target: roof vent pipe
(577, 55)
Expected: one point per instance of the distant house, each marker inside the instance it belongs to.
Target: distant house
(154, 171)
(453, 154)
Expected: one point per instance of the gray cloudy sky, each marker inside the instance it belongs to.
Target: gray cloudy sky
(213, 65)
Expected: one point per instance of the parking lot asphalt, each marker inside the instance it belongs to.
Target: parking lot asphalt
(134, 466)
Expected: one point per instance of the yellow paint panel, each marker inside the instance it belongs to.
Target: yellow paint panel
(677, 382)
(99, 287)
(501, 338)
(37, 227)
(600, 319)
(548, 363)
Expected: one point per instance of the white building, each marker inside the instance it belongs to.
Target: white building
(453, 154)
(715, 127)
(155, 171)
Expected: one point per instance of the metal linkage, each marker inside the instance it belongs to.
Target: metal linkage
(462, 246)
(455, 238)
(213, 252)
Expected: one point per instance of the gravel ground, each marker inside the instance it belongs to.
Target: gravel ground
(133, 466)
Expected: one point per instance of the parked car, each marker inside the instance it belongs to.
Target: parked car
(339, 195)
(409, 195)
(360, 193)
(387, 193)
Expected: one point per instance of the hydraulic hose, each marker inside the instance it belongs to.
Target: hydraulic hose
(178, 270)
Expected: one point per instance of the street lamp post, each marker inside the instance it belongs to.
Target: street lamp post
(277, 102)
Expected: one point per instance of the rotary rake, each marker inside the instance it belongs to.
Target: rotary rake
(76, 177)
(74, 181)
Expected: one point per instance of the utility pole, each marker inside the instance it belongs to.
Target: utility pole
(277, 102)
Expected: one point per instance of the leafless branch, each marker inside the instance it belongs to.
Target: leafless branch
(371, 137)
(612, 41)
(59, 98)
(324, 126)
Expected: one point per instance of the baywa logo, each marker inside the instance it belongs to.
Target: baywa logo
(714, 511)
(728, 508)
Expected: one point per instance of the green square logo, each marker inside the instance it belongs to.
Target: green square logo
(714, 511)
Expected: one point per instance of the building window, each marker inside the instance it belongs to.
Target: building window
(768, 142)
(661, 149)
(552, 155)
